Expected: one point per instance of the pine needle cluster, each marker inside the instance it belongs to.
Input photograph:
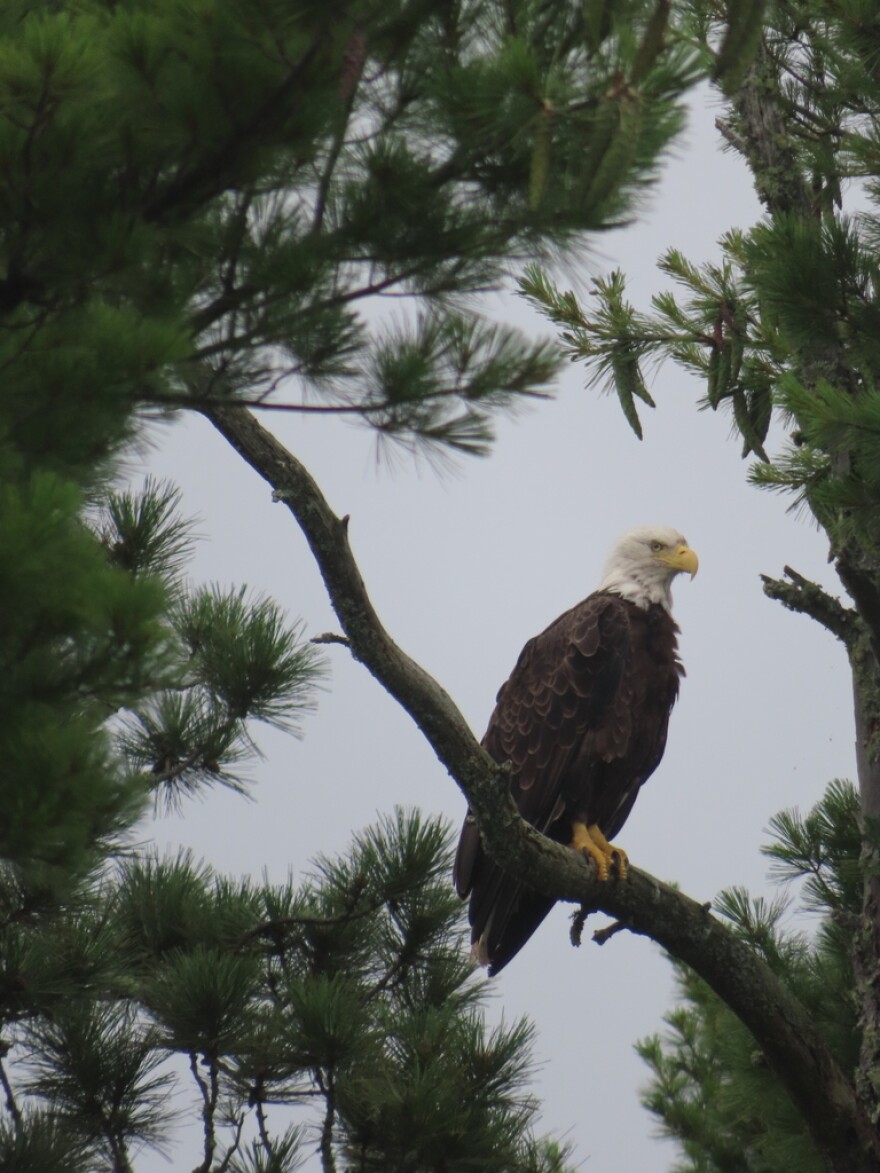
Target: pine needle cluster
(338, 1015)
(203, 203)
(711, 1089)
(784, 325)
(243, 181)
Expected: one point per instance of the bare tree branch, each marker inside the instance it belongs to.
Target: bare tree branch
(792, 1045)
(808, 598)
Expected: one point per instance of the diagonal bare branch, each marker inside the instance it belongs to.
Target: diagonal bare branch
(789, 1039)
(808, 598)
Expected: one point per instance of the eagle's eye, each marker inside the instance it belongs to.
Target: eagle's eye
(656, 546)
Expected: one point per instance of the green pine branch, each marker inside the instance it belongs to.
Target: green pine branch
(711, 1088)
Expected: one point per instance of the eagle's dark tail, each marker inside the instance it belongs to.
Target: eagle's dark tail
(503, 912)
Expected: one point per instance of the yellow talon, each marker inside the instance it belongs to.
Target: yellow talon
(610, 850)
(593, 843)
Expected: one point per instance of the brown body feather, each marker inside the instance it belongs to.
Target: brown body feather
(582, 721)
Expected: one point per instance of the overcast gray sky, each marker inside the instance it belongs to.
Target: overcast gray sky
(463, 569)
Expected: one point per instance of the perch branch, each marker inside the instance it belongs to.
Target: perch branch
(786, 1033)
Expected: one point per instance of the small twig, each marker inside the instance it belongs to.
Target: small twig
(203, 402)
(727, 132)
(602, 935)
(392, 975)
(234, 1146)
(808, 598)
(272, 928)
(333, 154)
(331, 637)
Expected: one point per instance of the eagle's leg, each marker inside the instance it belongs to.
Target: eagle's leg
(593, 843)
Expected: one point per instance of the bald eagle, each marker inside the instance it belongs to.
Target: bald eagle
(582, 722)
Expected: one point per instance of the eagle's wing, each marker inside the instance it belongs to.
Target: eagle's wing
(565, 699)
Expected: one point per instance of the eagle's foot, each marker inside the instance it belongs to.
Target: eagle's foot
(604, 855)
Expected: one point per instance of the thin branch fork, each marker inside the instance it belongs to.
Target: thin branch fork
(793, 1047)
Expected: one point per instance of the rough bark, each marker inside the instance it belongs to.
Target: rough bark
(866, 955)
(762, 132)
(787, 1036)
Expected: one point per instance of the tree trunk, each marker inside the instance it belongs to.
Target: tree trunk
(866, 958)
(761, 131)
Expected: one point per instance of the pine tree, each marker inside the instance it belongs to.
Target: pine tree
(196, 203)
(123, 684)
(783, 326)
(711, 1088)
(339, 1013)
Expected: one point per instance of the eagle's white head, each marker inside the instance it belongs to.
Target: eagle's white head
(644, 562)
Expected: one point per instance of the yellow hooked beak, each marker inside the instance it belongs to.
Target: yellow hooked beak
(682, 558)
